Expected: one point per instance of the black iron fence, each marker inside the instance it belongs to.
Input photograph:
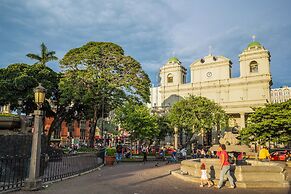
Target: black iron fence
(59, 166)
(14, 160)
(14, 169)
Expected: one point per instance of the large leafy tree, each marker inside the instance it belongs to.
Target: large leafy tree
(18, 80)
(196, 113)
(269, 123)
(101, 77)
(164, 127)
(138, 121)
(45, 55)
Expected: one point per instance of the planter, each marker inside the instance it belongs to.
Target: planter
(9, 122)
(109, 160)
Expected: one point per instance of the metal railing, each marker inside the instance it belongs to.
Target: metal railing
(61, 166)
(14, 169)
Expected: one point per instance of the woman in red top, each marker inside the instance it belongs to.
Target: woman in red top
(225, 168)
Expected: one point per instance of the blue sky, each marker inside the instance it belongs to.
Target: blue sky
(151, 31)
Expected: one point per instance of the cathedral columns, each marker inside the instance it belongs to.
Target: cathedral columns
(176, 137)
(243, 120)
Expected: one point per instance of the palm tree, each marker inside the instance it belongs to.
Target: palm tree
(45, 56)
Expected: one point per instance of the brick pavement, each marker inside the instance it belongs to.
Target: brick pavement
(138, 178)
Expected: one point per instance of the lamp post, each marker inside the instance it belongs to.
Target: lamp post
(20, 102)
(34, 182)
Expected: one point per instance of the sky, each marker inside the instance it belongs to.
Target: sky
(151, 31)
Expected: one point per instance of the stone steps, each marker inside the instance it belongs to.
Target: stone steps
(239, 184)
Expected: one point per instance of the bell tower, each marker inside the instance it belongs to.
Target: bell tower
(254, 60)
(173, 73)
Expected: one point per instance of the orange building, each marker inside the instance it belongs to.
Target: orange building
(76, 131)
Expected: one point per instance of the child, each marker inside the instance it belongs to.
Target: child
(204, 177)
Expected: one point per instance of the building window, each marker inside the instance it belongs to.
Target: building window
(170, 78)
(254, 67)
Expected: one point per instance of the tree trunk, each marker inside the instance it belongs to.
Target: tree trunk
(59, 117)
(55, 124)
(93, 129)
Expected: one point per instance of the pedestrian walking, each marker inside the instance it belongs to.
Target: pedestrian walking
(184, 153)
(204, 177)
(225, 168)
(218, 151)
(144, 152)
(118, 152)
(173, 158)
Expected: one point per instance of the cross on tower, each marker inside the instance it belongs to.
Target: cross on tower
(254, 38)
(173, 53)
(210, 50)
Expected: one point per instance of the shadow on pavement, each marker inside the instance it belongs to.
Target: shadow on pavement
(151, 179)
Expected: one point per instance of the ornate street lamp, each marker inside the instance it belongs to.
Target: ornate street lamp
(39, 95)
(34, 182)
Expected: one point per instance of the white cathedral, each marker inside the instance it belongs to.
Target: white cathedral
(211, 78)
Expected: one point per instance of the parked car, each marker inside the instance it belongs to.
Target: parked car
(280, 155)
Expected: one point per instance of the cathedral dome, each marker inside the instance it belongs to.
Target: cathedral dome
(174, 60)
(255, 43)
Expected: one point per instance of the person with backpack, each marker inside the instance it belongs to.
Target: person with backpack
(225, 168)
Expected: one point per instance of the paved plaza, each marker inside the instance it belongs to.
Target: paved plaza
(138, 178)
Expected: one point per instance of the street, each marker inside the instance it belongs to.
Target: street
(138, 178)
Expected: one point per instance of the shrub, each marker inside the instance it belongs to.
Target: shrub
(110, 151)
(7, 115)
(86, 149)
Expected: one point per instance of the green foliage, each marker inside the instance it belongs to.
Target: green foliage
(8, 115)
(17, 81)
(101, 77)
(195, 113)
(100, 70)
(110, 151)
(164, 127)
(138, 121)
(44, 57)
(270, 123)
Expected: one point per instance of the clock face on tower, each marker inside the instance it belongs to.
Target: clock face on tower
(209, 74)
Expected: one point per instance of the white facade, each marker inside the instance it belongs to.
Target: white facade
(211, 78)
(280, 94)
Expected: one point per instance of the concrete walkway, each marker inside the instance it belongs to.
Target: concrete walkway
(138, 178)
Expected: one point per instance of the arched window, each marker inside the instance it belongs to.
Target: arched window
(170, 78)
(254, 67)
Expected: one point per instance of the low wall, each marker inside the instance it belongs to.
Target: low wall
(255, 174)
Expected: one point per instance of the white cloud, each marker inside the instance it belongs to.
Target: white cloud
(150, 31)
